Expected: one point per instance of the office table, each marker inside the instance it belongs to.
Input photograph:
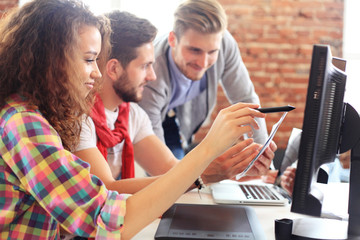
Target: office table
(265, 214)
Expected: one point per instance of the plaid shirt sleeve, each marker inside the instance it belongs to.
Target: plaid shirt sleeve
(43, 185)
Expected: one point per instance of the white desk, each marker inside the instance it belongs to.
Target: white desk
(265, 214)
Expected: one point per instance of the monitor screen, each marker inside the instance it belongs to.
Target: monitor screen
(319, 142)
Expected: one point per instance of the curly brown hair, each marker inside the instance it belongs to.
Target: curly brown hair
(37, 46)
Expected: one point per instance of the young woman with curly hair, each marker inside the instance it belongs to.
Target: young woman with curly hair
(48, 53)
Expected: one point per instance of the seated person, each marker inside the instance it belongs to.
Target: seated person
(49, 72)
(125, 72)
(338, 171)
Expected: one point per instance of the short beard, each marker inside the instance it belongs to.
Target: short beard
(123, 90)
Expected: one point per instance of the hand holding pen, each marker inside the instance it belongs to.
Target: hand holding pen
(284, 109)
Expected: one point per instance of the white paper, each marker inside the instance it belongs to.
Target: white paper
(267, 143)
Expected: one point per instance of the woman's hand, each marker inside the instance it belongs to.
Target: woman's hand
(230, 124)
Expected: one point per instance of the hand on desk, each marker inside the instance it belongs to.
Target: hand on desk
(270, 177)
(236, 159)
(287, 179)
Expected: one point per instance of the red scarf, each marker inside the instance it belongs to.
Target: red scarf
(107, 138)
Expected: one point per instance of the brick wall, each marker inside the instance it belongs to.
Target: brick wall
(275, 38)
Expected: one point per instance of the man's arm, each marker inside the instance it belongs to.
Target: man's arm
(154, 156)
(156, 159)
(236, 82)
(236, 159)
(88, 152)
(156, 96)
(101, 169)
(154, 102)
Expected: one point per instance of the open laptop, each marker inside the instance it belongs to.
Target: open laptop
(250, 193)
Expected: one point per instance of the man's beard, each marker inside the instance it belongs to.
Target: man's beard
(124, 90)
(188, 74)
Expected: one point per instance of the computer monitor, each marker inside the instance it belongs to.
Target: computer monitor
(321, 129)
(325, 118)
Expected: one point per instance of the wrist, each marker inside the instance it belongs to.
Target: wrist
(199, 183)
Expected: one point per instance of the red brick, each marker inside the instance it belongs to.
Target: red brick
(276, 39)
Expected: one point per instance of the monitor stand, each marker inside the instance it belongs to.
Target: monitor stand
(351, 140)
(310, 228)
(333, 223)
(319, 228)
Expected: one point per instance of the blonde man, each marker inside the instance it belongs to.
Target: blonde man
(190, 63)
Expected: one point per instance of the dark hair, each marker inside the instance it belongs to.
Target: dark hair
(128, 33)
(37, 47)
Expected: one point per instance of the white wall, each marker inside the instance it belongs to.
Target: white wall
(158, 12)
(351, 50)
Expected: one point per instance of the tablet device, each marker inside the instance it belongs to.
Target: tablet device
(217, 222)
(262, 150)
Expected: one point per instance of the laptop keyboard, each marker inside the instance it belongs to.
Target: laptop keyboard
(258, 192)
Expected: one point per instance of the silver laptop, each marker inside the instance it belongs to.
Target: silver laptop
(251, 193)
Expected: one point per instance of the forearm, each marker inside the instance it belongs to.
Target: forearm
(154, 156)
(163, 192)
(230, 123)
(154, 103)
(130, 186)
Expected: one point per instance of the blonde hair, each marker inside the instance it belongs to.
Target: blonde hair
(204, 16)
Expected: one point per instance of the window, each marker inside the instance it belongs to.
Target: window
(158, 12)
(351, 51)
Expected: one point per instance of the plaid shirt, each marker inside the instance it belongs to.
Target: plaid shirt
(43, 186)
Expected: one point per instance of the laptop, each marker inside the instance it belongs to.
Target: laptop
(249, 193)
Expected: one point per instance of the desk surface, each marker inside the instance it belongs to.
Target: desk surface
(265, 214)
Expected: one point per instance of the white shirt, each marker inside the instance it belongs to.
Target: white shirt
(139, 128)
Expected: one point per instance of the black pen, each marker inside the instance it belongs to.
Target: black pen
(287, 108)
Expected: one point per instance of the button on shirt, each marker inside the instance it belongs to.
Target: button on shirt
(183, 88)
(42, 185)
